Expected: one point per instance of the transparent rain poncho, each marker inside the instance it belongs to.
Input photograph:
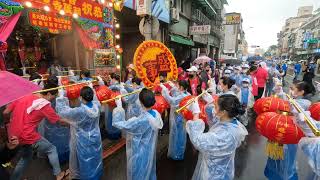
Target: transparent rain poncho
(85, 139)
(112, 132)
(141, 145)
(177, 135)
(217, 147)
(133, 103)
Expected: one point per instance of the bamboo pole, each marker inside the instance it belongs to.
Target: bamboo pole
(61, 87)
(191, 101)
(314, 129)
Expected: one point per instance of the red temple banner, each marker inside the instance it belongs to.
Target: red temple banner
(53, 23)
(83, 8)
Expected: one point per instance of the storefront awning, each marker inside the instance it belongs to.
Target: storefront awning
(181, 40)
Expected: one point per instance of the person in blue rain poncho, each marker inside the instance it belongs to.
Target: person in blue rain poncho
(85, 139)
(132, 101)
(286, 169)
(141, 137)
(217, 147)
(115, 85)
(177, 135)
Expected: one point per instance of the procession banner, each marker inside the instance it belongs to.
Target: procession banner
(83, 8)
(49, 21)
(152, 58)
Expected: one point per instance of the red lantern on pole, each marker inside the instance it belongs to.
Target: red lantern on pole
(315, 111)
(113, 95)
(279, 129)
(64, 81)
(271, 104)
(161, 104)
(73, 92)
(103, 93)
(187, 114)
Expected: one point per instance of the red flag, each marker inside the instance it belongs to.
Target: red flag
(13, 87)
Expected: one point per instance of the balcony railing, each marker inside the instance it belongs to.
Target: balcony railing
(199, 17)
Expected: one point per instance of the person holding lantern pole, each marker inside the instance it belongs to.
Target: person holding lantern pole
(85, 138)
(141, 137)
(115, 85)
(286, 168)
(26, 114)
(133, 103)
(217, 147)
(177, 135)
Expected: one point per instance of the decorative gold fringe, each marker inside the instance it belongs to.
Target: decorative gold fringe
(274, 150)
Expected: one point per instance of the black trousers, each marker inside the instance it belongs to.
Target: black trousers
(260, 93)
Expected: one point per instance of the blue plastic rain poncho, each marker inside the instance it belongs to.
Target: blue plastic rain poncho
(85, 139)
(216, 148)
(177, 135)
(133, 103)
(141, 136)
(285, 169)
(112, 132)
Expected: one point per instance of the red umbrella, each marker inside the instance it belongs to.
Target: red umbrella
(14, 87)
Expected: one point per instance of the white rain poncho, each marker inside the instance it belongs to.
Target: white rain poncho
(216, 148)
(141, 145)
(177, 133)
(85, 139)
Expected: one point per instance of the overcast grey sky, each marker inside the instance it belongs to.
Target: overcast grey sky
(266, 16)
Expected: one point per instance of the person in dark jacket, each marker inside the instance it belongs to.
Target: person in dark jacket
(308, 77)
(7, 152)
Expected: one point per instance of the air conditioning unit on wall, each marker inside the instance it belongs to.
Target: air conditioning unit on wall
(175, 17)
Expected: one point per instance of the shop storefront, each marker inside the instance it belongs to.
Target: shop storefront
(74, 33)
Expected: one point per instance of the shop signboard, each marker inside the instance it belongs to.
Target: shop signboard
(204, 29)
(48, 21)
(159, 8)
(233, 19)
(104, 58)
(143, 7)
(83, 8)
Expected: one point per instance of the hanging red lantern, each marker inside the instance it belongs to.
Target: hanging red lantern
(103, 93)
(73, 92)
(64, 81)
(315, 111)
(161, 104)
(279, 127)
(271, 104)
(113, 95)
(187, 114)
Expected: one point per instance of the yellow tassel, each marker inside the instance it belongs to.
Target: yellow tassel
(274, 150)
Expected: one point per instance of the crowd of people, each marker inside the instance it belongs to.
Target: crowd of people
(68, 129)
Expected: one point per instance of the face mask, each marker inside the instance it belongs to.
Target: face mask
(130, 79)
(227, 75)
(245, 85)
(244, 71)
